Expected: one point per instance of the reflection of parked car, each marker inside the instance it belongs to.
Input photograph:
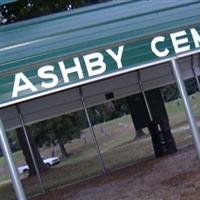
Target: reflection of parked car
(51, 161)
(48, 162)
(23, 169)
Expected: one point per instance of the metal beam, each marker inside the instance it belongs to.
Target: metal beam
(30, 149)
(11, 164)
(144, 95)
(187, 105)
(101, 161)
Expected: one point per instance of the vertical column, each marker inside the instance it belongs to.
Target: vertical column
(11, 165)
(152, 125)
(187, 105)
(92, 132)
(144, 96)
(30, 149)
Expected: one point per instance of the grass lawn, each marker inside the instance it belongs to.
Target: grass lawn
(117, 145)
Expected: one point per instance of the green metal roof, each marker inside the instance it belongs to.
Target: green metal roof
(3, 2)
(27, 45)
(75, 32)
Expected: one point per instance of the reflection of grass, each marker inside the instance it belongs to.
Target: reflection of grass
(117, 146)
(176, 113)
(17, 156)
(116, 156)
(19, 159)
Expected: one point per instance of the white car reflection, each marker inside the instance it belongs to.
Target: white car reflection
(48, 163)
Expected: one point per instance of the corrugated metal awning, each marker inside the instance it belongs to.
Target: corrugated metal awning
(27, 46)
(3, 2)
(89, 29)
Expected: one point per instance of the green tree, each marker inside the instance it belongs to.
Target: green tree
(59, 130)
(26, 9)
(170, 92)
(26, 152)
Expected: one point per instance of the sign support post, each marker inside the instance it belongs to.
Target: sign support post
(30, 149)
(11, 165)
(92, 132)
(144, 96)
(187, 105)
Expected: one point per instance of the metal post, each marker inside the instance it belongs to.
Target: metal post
(30, 149)
(144, 96)
(187, 105)
(195, 74)
(11, 165)
(101, 161)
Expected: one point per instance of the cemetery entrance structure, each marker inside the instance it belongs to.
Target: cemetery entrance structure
(64, 62)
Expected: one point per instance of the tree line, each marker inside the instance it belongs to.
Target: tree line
(27, 9)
